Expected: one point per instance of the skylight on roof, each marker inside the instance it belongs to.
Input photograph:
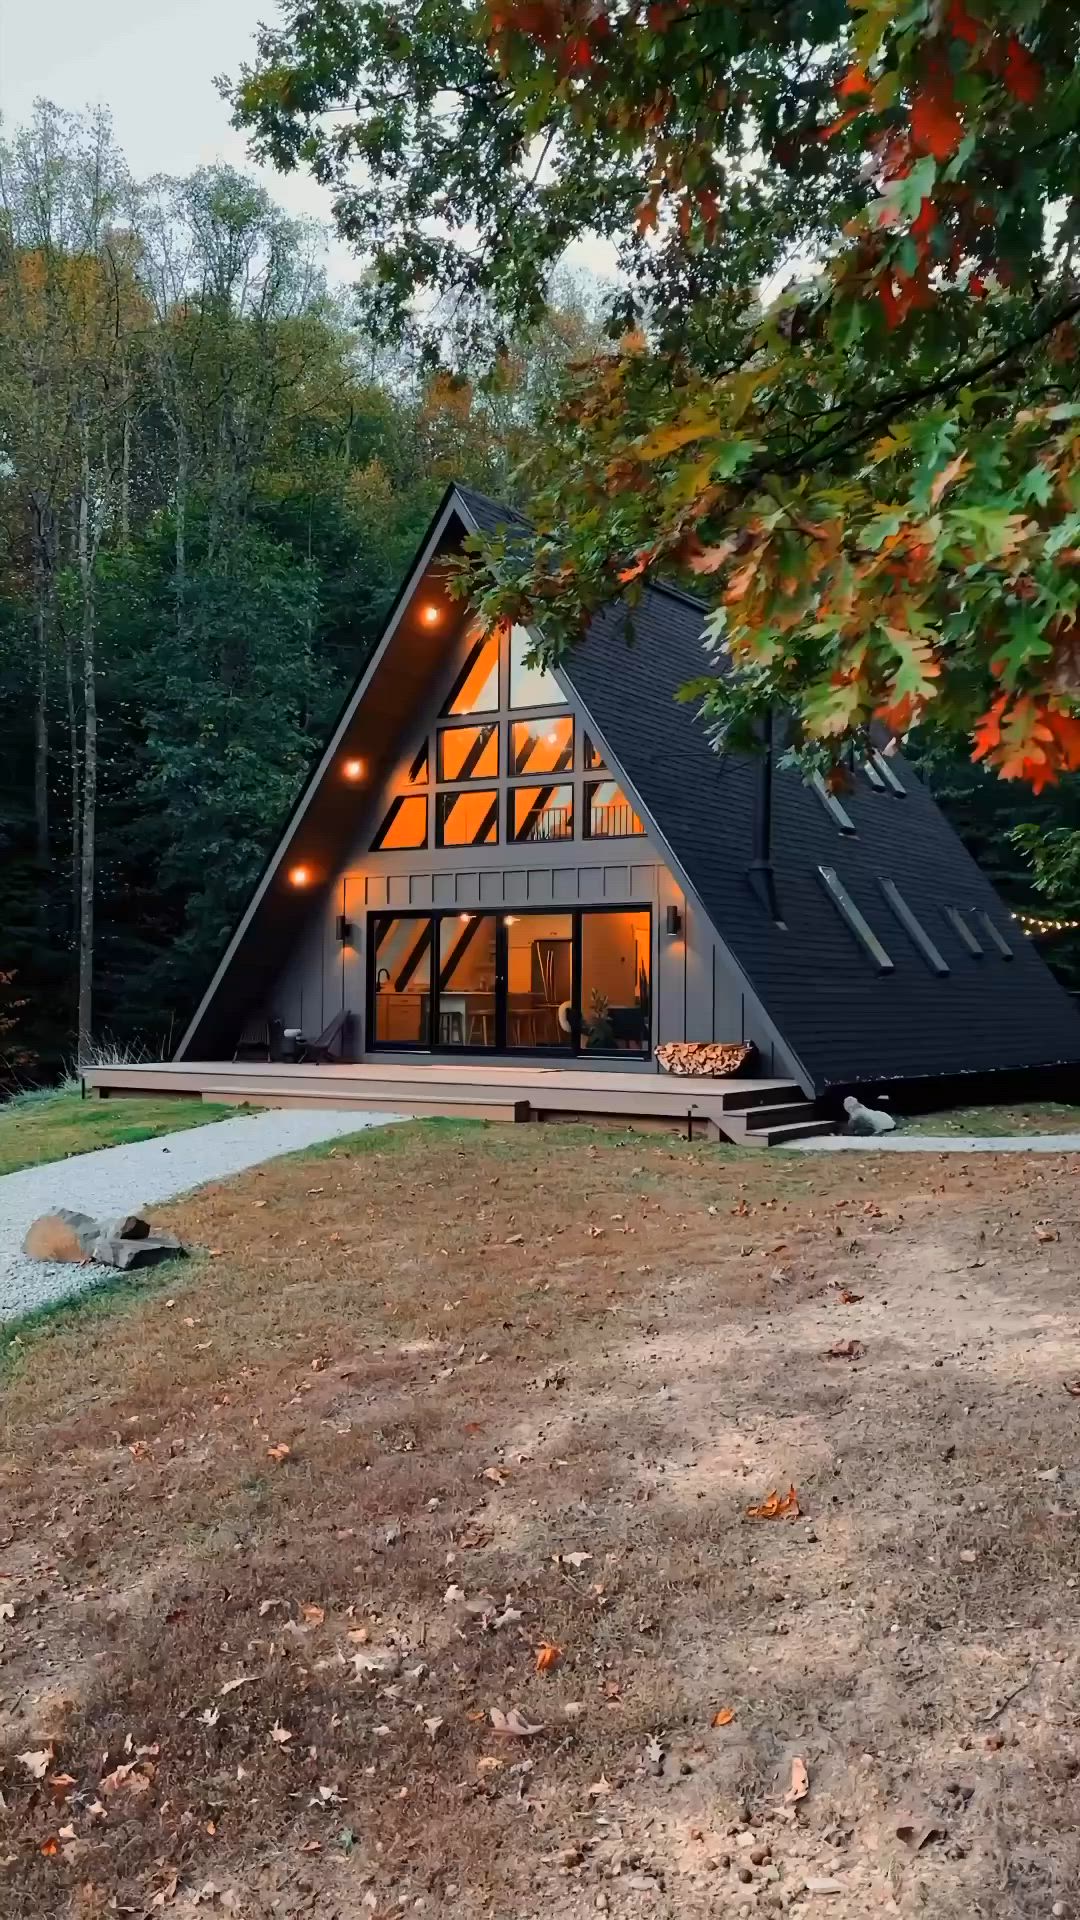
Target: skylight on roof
(837, 813)
(935, 960)
(962, 926)
(849, 913)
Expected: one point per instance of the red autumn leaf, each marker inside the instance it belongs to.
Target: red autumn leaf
(548, 1656)
(1023, 74)
(576, 53)
(854, 85)
(977, 286)
(837, 126)
(962, 25)
(925, 220)
(936, 126)
(647, 215)
(776, 1506)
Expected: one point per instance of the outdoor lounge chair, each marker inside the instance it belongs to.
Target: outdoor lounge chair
(260, 1039)
(320, 1052)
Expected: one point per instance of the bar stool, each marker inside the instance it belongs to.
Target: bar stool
(451, 1029)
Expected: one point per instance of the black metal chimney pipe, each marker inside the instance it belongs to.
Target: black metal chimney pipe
(762, 874)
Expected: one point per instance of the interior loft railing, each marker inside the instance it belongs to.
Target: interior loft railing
(613, 823)
(551, 823)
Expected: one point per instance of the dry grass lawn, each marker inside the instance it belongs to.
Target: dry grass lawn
(280, 1536)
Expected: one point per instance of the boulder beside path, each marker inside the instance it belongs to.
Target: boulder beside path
(125, 1242)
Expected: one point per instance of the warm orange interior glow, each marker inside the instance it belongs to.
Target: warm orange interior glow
(430, 614)
(299, 876)
(353, 769)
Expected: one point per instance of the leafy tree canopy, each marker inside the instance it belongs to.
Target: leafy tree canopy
(841, 382)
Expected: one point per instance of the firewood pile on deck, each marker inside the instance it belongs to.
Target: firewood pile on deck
(719, 1058)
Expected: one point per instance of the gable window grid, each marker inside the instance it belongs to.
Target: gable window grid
(836, 811)
(934, 958)
(854, 920)
(965, 932)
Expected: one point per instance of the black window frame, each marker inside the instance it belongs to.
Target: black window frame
(573, 1050)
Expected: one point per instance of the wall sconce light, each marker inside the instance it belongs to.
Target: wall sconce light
(510, 920)
(343, 928)
(353, 769)
(430, 614)
(673, 922)
(464, 918)
(299, 876)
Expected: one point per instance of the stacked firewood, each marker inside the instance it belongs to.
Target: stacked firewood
(719, 1057)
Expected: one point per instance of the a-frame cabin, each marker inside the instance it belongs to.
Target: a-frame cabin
(495, 863)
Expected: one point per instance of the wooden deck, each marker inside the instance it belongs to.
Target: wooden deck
(751, 1112)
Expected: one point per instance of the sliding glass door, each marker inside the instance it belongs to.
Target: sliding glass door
(576, 982)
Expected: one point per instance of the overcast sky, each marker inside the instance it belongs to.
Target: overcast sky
(152, 62)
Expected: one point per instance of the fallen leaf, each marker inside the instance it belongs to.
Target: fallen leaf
(724, 1718)
(431, 1727)
(775, 1508)
(61, 1784)
(497, 1475)
(280, 1735)
(487, 1763)
(7, 1609)
(849, 1299)
(279, 1453)
(514, 1725)
(311, 1846)
(917, 1834)
(577, 1560)
(1047, 1233)
(800, 1783)
(845, 1350)
(599, 1788)
(210, 1716)
(242, 1680)
(36, 1763)
(1073, 1387)
(49, 1847)
(313, 1616)
(548, 1656)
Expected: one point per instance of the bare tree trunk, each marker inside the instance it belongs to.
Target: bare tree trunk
(125, 477)
(74, 777)
(180, 567)
(41, 578)
(87, 546)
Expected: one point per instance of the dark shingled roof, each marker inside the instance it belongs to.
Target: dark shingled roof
(845, 1020)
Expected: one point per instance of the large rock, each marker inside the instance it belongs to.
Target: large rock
(58, 1236)
(112, 1250)
(128, 1241)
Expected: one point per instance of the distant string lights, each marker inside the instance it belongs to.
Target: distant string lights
(1035, 923)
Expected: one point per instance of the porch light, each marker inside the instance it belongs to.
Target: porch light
(299, 876)
(353, 769)
(673, 922)
(510, 919)
(464, 918)
(430, 614)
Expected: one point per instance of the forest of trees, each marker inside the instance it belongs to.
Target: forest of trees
(211, 482)
(210, 486)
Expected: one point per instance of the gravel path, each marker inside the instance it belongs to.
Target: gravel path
(943, 1143)
(114, 1180)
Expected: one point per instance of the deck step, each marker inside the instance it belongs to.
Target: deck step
(794, 1130)
(736, 1099)
(783, 1113)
